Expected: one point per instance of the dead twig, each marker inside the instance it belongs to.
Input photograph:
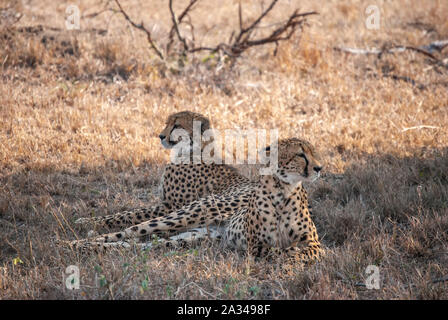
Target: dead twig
(284, 31)
(419, 50)
(419, 127)
(95, 14)
(425, 49)
(176, 21)
(142, 28)
(249, 29)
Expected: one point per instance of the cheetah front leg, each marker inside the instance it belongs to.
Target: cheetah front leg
(304, 245)
(313, 252)
(285, 229)
(306, 251)
(310, 253)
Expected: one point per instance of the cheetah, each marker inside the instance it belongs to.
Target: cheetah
(181, 183)
(263, 218)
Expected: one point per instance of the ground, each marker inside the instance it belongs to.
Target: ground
(80, 114)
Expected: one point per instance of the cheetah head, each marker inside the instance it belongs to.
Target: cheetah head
(182, 120)
(297, 161)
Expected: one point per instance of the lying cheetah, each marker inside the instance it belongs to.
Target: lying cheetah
(270, 216)
(181, 183)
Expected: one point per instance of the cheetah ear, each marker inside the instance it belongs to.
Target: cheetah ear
(264, 154)
(205, 125)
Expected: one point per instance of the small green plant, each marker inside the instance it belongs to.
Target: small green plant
(145, 283)
(254, 290)
(101, 278)
(102, 281)
(171, 254)
(155, 240)
(194, 252)
(169, 291)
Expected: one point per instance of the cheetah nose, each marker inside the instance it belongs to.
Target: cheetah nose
(317, 169)
(161, 137)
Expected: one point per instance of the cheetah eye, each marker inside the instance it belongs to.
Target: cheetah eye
(302, 155)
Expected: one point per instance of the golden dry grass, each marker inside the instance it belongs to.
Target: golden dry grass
(80, 112)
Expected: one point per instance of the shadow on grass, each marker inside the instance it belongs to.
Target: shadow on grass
(385, 194)
(384, 210)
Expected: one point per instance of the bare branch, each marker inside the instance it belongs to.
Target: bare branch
(176, 26)
(257, 21)
(176, 22)
(289, 27)
(240, 18)
(237, 43)
(95, 14)
(186, 10)
(141, 27)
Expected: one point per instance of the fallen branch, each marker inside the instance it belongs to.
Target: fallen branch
(436, 46)
(419, 127)
(426, 50)
(97, 13)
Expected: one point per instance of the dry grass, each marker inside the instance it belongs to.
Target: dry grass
(80, 112)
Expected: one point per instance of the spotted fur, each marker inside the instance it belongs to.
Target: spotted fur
(270, 216)
(181, 183)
